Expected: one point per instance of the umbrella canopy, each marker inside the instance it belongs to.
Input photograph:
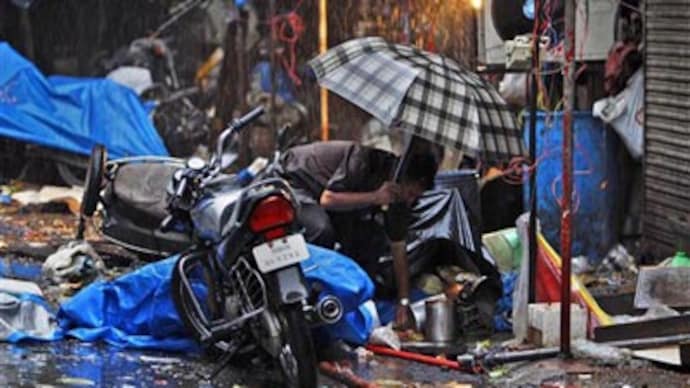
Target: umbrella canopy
(423, 93)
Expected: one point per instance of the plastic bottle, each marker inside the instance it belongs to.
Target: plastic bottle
(681, 259)
(247, 174)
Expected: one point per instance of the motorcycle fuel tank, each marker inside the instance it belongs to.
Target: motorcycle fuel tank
(212, 213)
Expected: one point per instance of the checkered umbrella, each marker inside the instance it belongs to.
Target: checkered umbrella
(422, 93)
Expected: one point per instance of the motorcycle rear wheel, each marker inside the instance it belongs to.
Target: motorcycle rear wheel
(297, 358)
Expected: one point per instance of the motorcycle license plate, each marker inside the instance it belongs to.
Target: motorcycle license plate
(280, 253)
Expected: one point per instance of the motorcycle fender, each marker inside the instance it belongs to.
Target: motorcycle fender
(290, 285)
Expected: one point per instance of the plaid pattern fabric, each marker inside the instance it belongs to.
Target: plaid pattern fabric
(422, 93)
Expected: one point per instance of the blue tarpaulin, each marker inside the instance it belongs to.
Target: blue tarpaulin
(72, 114)
(136, 310)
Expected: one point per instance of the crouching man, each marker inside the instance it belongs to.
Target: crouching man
(343, 187)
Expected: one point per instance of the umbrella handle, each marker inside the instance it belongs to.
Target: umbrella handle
(404, 159)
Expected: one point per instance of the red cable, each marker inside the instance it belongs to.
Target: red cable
(279, 29)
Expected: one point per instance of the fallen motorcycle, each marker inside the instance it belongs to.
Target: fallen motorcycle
(238, 281)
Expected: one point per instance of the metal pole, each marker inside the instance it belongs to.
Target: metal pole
(533, 153)
(323, 46)
(271, 49)
(566, 212)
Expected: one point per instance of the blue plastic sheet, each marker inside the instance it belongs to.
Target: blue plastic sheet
(136, 310)
(340, 276)
(504, 307)
(72, 114)
(133, 311)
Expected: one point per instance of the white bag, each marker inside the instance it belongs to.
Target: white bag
(625, 112)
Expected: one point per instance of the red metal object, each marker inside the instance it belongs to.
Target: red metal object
(437, 361)
(566, 215)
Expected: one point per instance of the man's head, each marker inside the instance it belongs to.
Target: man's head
(262, 140)
(418, 176)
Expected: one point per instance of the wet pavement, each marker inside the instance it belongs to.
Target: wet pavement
(80, 364)
(28, 237)
(77, 364)
(72, 363)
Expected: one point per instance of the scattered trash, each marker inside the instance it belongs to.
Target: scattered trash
(662, 286)
(160, 360)
(659, 311)
(343, 374)
(390, 383)
(497, 373)
(481, 347)
(681, 259)
(74, 261)
(603, 354)
(24, 316)
(363, 355)
(385, 335)
(622, 112)
(618, 259)
(580, 265)
(504, 245)
(5, 199)
(75, 381)
(71, 196)
(457, 385)
(14, 286)
(430, 284)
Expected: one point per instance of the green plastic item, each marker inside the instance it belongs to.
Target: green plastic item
(681, 259)
(504, 245)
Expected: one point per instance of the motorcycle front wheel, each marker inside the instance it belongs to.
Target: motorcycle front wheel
(297, 358)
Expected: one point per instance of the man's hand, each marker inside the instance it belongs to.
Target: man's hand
(386, 194)
(403, 320)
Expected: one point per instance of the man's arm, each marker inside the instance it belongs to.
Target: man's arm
(402, 280)
(333, 200)
(402, 277)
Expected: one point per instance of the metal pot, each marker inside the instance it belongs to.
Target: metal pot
(418, 310)
(440, 320)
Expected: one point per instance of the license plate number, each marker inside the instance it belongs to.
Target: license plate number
(280, 253)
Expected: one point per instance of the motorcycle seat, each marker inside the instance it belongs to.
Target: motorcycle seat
(139, 191)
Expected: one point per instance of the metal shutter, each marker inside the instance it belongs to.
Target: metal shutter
(667, 117)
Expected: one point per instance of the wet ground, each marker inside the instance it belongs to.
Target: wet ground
(78, 364)
(26, 237)
(556, 372)
(71, 363)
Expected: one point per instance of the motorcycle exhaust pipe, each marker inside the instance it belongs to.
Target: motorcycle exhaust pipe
(329, 310)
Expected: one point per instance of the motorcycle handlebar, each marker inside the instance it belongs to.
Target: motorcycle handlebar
(235, 126)
(249, 117)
